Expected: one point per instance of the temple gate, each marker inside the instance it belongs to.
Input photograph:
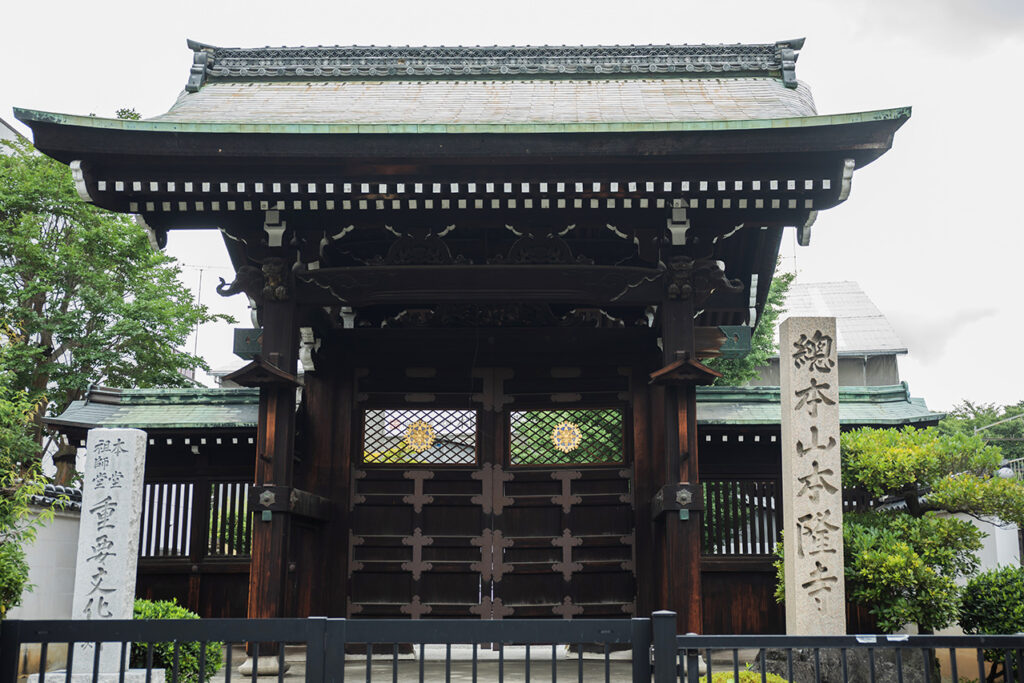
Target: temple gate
(501, 270)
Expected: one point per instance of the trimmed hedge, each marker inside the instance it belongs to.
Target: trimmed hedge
(163, 653)
(745, 677)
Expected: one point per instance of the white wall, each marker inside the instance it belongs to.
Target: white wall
(51, 561)
(1000, 547)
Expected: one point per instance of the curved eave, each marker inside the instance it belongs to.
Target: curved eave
(868, 406)
(30, 116)
(862, 135)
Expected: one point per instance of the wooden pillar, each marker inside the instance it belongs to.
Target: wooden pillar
(326, 471)
(275, 456)
(644, 488)
(679, 540)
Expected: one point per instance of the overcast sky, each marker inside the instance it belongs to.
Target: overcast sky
(931, 230)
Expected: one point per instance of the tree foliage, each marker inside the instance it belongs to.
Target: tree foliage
(966, 417)
(738, 371)
(83, 292)
(904, 558)
(19, 480)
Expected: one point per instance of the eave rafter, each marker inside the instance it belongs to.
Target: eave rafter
(153, 192)
(652, 183)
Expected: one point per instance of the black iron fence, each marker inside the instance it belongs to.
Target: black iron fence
(320, 650)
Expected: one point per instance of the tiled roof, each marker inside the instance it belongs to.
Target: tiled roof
(492, 85)
(163, 409)
(195, 409)
(493, 102)
(867, 406)
(860, 326)
(59, 497)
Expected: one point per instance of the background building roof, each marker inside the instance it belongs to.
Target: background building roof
(860, 326)
(8, 133)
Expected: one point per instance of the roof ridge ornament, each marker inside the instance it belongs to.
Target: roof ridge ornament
(787, 54)
(443, 62)
(201, 61)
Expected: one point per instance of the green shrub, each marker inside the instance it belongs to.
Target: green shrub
(163, 653)
(993, 602)
(745, 677)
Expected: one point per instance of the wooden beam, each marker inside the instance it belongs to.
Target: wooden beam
(409, 285)
(290, 500)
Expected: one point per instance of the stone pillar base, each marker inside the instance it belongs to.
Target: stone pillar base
(268, 666)
(130, 676)
(858, 665)
(702, 667)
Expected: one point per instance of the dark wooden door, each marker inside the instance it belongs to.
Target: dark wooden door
(495, 518)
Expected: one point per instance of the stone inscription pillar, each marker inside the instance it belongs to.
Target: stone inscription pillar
(108, 537)
(812, 490)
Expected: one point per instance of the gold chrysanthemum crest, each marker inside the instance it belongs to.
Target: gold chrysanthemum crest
(420, 436)
(566, 436)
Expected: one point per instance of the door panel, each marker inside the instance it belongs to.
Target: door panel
(540, 525)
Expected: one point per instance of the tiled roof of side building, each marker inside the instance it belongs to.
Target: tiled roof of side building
(163, 409)
(66, 498)
(876, 406)
(198, 409)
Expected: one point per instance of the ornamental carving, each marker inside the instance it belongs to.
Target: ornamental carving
(697, 279)
(274, 287)
(590, 317)
(248, 279)
(403, 62)
(533, 250)
(472, 315)
(417, 250)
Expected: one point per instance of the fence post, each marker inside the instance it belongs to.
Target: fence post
(663, 627)
(335, 639)
(315, 646)
(10, 649)
(641, 638)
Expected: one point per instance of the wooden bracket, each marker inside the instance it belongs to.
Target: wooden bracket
(685, 371)
(681, 496)
(264, 498)
(260, 373)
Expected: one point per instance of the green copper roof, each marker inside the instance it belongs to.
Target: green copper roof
(163, 409)
(272, 127)
(197, 409)
(875, 406)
